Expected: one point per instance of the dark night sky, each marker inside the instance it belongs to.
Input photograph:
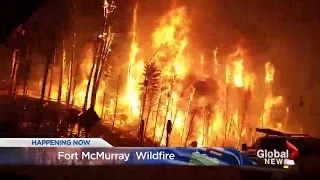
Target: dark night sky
(285, 32)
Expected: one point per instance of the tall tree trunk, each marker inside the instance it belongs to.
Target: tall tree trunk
(186, 114)
(27, 74)
(89, 85)
(51, 72)
(157, 114)
(165, 118)
(142, 109)
(70, 72)
(43, 90)
(103, 42)
(75, 83)
(104, 99)
(102, 58)
(14, 71)
(176, 113)
(99, 46)
(247, 97)
(73, 86)
(116, 103)
(71, 79)
(190, 128)
(241, 128)
(168, 107)
(95, 85)
(147, 120)
(61, 73)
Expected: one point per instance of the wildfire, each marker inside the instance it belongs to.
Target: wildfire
(238, 74)
(170, 40)
(269, 73)
(224, 115)
(132, 91)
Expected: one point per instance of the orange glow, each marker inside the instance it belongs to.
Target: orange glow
(222, 116)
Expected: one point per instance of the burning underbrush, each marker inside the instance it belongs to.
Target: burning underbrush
(210, 100)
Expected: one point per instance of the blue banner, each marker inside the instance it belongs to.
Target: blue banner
(122, 156)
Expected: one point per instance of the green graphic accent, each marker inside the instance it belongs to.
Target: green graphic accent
(203, 160)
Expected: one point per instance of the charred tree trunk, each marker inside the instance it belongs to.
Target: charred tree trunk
(157, 114)
(61, 73)
(104, 101)
(103, 41)
(167, 111)
(141, 127)
(98, 53)
(51, 72)
(169, 96)
(102, 58)
(176, 113)
(72, 81)
(116, 103)
(14, 71)
(105, 92)
(95, 85)
(190, 128)
(247, 98)
(89, 85)
(70, 78)
(18, 43)
(27, 74)
(186, 115)
(75, 83)
(207, 123)
(71, 65)
(150, 89)
(43, 90)
(241, 128)
(167, 140)
(147, 120)
(144, 99)
(169, 130)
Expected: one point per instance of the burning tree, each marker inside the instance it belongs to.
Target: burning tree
(107, 76)
(169, 101)
(51, 73)
(50, 45)
(62, 67)
(71, 81)
(217, 120)
(46, 35)
(18, 42)
(208, 114)
(101, 50)
(149, 90)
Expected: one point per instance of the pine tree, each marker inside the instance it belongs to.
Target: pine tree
(149, 90)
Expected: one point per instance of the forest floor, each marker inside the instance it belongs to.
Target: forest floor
(22, 111)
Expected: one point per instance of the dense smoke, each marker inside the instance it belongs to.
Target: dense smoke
(207, 89)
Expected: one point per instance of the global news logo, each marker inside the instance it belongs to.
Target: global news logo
(279, 158)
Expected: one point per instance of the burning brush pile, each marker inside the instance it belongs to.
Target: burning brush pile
(211, 100)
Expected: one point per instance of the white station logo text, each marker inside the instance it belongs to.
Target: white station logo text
(274, 157)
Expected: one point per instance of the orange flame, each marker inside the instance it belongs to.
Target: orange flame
(180, 103)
